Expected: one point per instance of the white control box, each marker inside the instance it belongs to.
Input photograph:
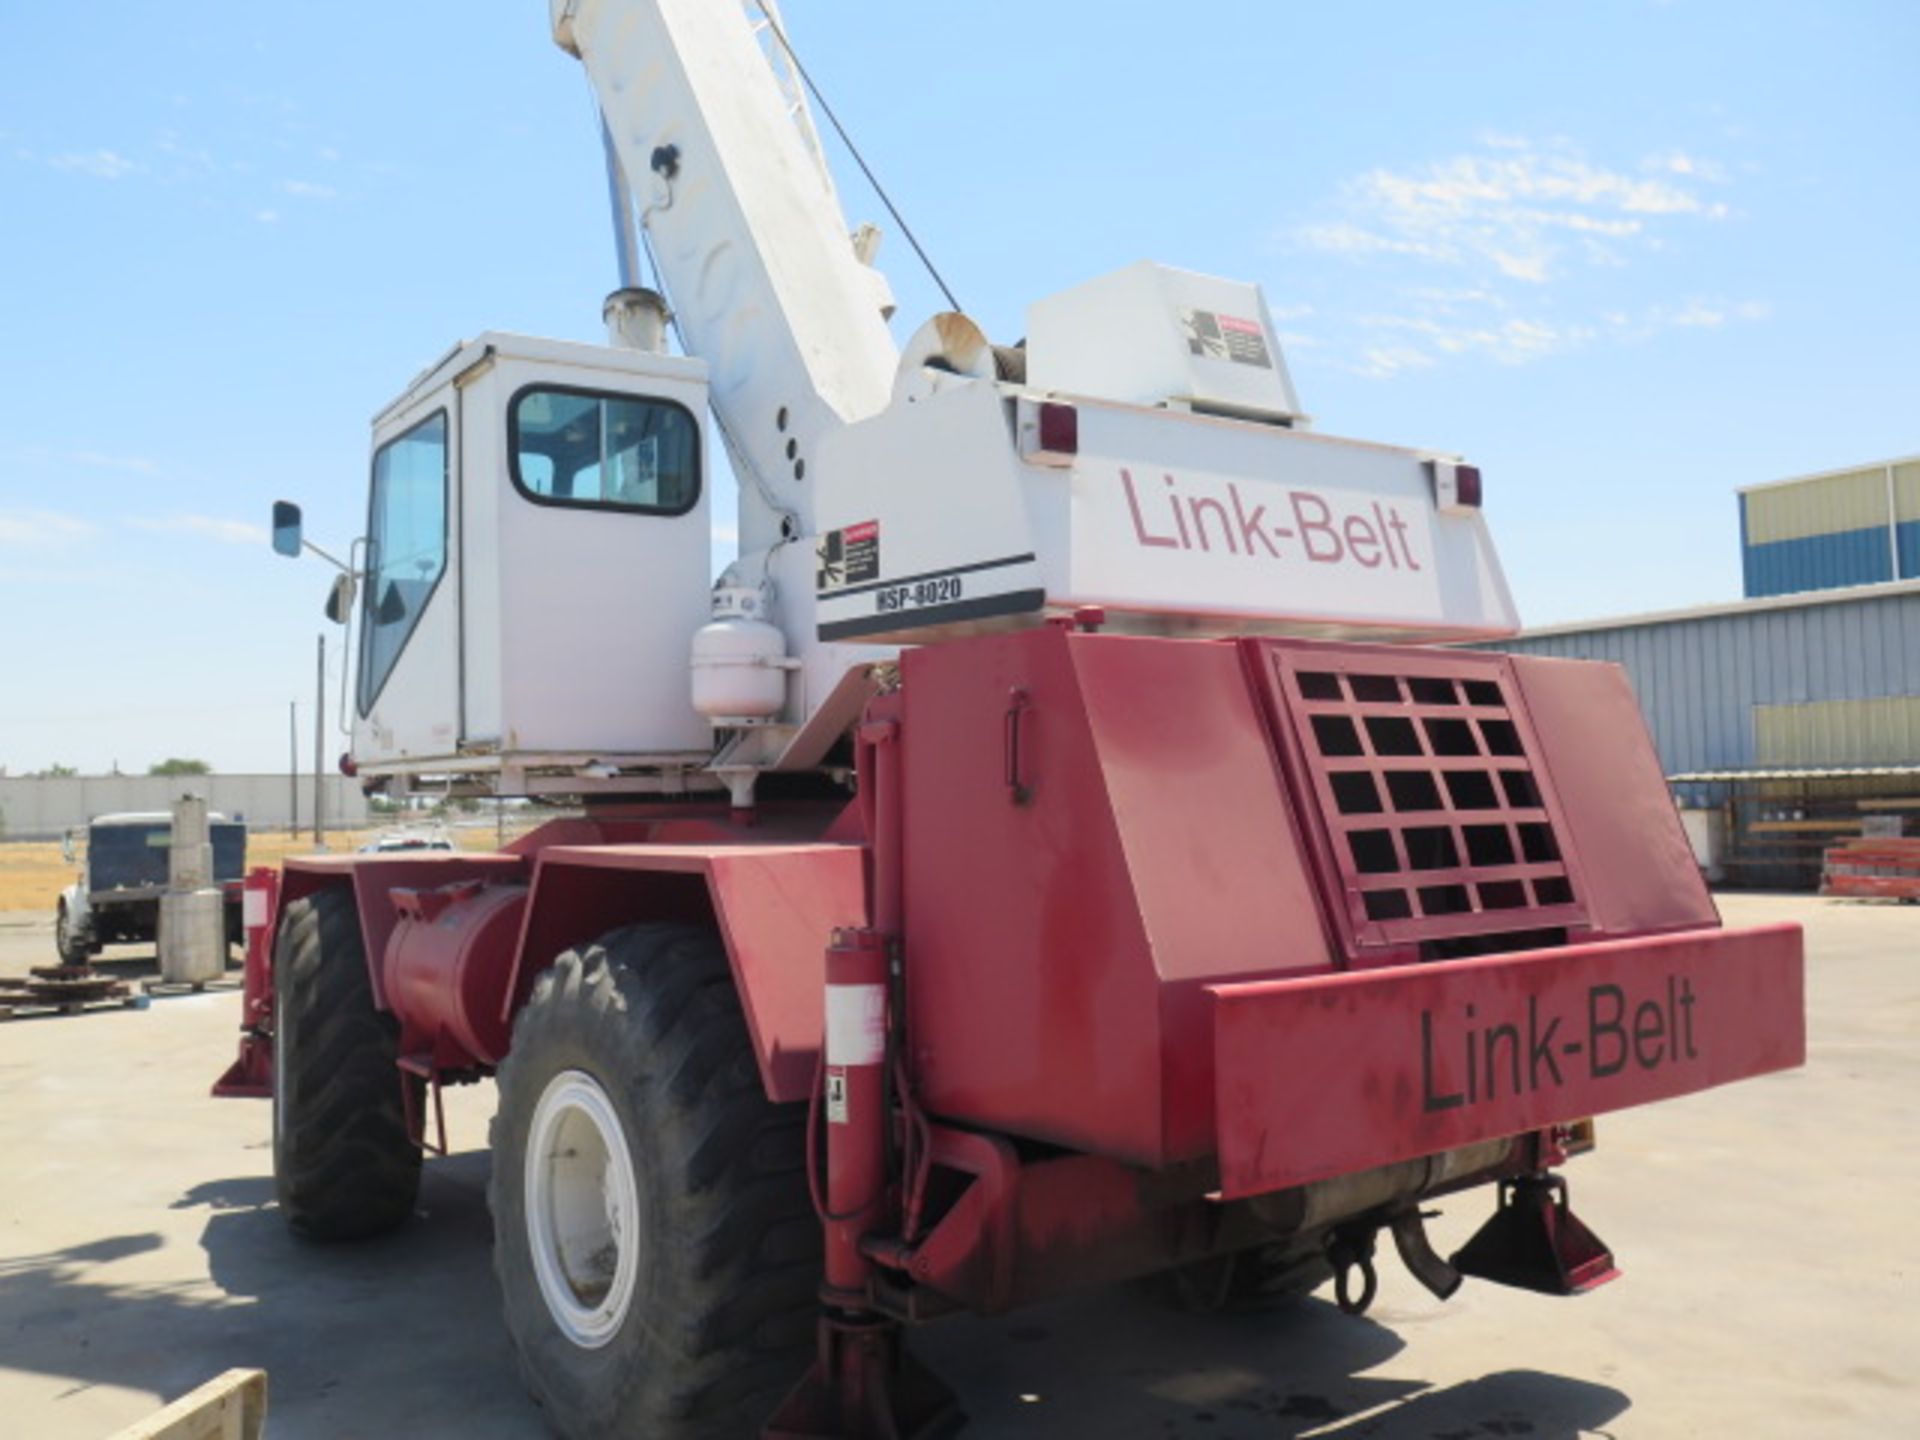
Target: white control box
(1153, 335)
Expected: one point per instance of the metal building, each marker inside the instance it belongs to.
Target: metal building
(1787, 720)
(1839, 528)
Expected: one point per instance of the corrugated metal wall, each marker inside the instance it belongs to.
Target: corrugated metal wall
(1857, 527)
(40, 809)
(1838, 732)
(1702, 681)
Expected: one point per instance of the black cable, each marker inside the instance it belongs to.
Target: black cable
(854, 150)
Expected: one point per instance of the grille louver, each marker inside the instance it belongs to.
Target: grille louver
(1435, 817)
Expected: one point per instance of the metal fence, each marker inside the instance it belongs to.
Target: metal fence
(43, 809)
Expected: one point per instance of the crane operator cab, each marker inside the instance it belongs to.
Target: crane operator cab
(536, 554)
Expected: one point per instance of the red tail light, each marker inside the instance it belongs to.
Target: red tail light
(1466, 479)
(1059, 428)
(1049, 432)
(1456, 488)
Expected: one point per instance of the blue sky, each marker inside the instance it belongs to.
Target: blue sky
(1626, 255)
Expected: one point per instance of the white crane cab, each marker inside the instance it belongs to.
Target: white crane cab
(537, 559)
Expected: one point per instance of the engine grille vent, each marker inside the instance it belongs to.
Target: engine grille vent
(1436, 818)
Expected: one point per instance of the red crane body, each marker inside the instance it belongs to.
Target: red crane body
(1103, 951)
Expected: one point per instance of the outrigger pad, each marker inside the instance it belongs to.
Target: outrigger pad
(1535, 1242)
(865, 1386)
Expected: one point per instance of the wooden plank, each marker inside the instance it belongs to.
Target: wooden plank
(232, 1406)
(1872, 887)
(17, 1006)
(1803, 827)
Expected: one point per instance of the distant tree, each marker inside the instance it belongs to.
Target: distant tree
(180, 767)
(55, 772)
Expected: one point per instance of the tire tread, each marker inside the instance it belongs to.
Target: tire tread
(732, 1311)
(345, 1165)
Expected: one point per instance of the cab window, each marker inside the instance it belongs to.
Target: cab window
(604, 451)
(406, 546)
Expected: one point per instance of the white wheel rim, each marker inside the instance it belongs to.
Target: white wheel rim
(583, 1211)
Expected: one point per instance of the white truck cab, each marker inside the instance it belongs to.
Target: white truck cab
(536, 560)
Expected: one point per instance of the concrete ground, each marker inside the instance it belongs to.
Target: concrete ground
(1767, 1232)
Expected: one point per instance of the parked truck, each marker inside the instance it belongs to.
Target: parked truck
(122, 859)
(1060, 849)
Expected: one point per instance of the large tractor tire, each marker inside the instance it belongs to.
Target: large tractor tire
(344, 1162)
(657, 1251)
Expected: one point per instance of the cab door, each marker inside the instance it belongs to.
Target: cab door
(603, 554)
(406, 685)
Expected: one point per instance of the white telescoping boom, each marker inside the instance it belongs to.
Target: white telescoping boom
(747, 234)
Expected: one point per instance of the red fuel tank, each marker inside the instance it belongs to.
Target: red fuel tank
(447, 967)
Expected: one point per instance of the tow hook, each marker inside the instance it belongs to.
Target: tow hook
(1347, 1251)
(1418, 1255)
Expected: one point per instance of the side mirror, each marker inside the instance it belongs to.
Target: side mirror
(286, 528)
(66, 846)
(340, 599)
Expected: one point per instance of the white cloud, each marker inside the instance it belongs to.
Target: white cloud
(1678, 162)
(267, 217)
(95, 460)
(210, 527)
(1452, 300)
(41, 528)
(1513, 341)
(1514, 210)
(101, 164)
(47, 458)
(308, 190)
(1473, 247)
(185, 161)
(1381, 362)
(1440, 330)
(1345, 238)
(1695, 314)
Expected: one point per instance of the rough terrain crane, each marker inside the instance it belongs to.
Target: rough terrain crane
(1057, 851)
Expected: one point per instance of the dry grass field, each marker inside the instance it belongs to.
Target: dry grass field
(32, 874)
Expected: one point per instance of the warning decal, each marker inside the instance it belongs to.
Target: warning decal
(849, 556)
(1226, 337)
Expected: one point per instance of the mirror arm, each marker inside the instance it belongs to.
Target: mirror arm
(349, 661)
(332, 560)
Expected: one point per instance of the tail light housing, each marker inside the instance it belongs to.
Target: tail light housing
(1456, 487)
(1049, 432)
